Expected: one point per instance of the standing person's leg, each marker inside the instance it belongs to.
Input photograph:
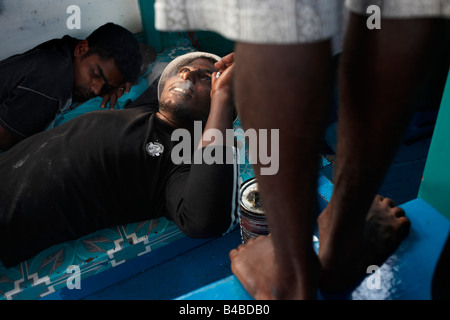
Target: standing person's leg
(381, 73)
(273, 267)
(286, 88)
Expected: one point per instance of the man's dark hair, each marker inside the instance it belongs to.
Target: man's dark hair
(113, 41)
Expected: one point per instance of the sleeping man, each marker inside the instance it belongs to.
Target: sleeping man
(112, 168)
(61, 73)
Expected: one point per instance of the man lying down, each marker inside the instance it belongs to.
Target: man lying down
(111, 168)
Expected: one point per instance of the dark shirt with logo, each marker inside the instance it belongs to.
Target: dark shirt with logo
(103, 169)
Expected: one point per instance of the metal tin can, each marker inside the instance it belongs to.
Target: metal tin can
(253, 220)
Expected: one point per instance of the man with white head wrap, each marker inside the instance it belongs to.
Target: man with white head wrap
(109, 168)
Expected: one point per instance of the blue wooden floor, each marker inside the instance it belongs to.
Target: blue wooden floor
(187, 272)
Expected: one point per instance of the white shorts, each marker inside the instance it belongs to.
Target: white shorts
(281, 21)
(254, 21)
(403, 8)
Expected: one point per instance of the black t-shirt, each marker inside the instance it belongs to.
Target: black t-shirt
(103, 169)
(35, 86)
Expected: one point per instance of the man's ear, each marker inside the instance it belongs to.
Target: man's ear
(81, 48)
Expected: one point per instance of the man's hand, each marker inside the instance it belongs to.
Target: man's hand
(226, 62)
(221, 113)
(115, 95)
(222, 80)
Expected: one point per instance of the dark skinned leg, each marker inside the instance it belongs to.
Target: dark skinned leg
(285, 88)
(380, 73)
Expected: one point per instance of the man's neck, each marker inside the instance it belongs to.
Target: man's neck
(174, 123)
(168, 120)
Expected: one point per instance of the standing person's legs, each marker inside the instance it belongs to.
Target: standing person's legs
(381, 73)
(284, 265)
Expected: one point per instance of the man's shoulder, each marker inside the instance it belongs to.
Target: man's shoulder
(39, 60)
(59, 50)
(136, 116)
(51, 53)
(43, 71)
(59, 44)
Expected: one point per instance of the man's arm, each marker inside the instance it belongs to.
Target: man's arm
(203, 199)
(222, 102)
(25, 112)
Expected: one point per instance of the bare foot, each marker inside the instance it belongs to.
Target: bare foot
(345, 256)
(255, 258)
(255, 266)
(264, 278)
